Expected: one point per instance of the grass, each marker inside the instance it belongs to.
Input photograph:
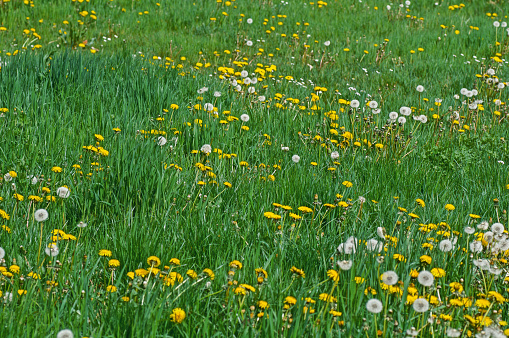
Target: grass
(114, 108)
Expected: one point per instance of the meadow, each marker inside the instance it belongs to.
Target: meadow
(254, 168)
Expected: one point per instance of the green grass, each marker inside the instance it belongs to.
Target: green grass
(141, 199)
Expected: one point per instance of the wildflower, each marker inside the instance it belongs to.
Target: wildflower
(425, 278)
(354, 104)
(82, 224)
(209, 273)
(263, 304)
(105, 253)
(244, 118)
(65, 334)
(449, 207)
(192, 274)
(153, 261)
(290, 300)
(114, 263)
(438, 272)
(296, 158)
(63, 192)
(305, 209)
(334, 155)
(345, 265)
(425, 259)
(41, 215)
(389, 277)
(206, 149)
(2, 252)
(111, 288)
(419, 88)
(236, 265)
(420, 202)
(178, 315)
(497, 228)
(295, 216)
(18, 197)
(56, 169)
(347, 184)
(125, 299)
(420, 305)
(51, 250)
(297, 272)
(175, 261)
(334, 275)
(374, 306)
(445, 245)
(327, 298)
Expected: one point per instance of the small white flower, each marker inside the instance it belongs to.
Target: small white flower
(374, 306)
(217, 94)
(63, 192)
(244, 117)
(420, 305)
(206, 148)
(41, 215)
(334, 155)
(296, 158)
(390, 277)
(420, 88)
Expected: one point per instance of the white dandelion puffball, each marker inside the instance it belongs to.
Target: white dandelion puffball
(345, 265)
(496, 24)
(425, 278)
(2, 252)
(501, 85)
(380, 231)
(445, 245)
(374, 245)
(63, 192)
(51, 250)
(497, 228)
(483, 225)
(374, 306)
(393, 115)
(469, 230)
(7, 177)
(296, 158)
(33, 179)
(65, 334)
(488, 236)
(82, 224)
(251, 90)
(402, 120)
(249, 21)
(420, 305)
(217, 94)
(373, 104)
(208, 107)
(419, 88)
(254, 80)
(41, 215)
(244, 117)
(244, 73)
(405, 111)
(161, 141)
(423, 118)
(476, 246)
(390, 277)
(334, 155)
(503, 24)
(247, 81)
(206, 148)
(261, 98)
(464, 91)
(327, 43)
(249, 43)
(376, 111)
(453, 333)
(354, 104)
(202, 90)
(285, 148)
